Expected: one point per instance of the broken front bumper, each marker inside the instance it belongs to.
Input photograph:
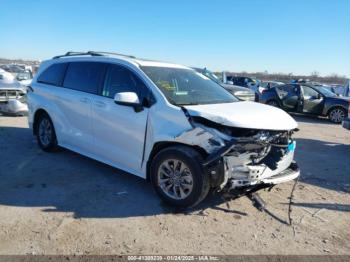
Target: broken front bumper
(240, 173)
(291, 173)
(13, 107)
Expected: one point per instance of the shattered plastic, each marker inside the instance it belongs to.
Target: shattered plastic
(265, 156)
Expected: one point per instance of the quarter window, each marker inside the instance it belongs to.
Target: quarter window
(85, 76)
(53, 75)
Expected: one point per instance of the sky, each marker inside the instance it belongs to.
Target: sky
(288, 36)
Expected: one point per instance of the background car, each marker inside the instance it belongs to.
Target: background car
(12, 95)
(243, 81)
(346, 122)
(307, 99)
(241, 93)
(264, 85)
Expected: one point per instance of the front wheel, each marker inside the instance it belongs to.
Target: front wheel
(178, 176)
(337, 115)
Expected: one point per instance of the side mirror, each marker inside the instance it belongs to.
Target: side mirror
(128, 99)
(229, 82)
(319, 96)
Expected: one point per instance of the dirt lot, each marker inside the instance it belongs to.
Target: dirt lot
(63, 203)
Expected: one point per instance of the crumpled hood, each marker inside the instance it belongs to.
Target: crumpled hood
(245, 115)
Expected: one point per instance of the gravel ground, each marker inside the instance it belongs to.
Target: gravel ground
(64, 203)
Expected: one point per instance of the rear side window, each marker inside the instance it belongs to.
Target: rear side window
(85, 76)
(53, 75)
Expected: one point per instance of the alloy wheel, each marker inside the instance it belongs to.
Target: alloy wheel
(45, 132)
(337, 115)
(175, 179)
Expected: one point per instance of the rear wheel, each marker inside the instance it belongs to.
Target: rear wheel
(337, 115)
(45, 133)
(178, 176)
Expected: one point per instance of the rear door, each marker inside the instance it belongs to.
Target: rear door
(312, 100)
(81, 85)
(119, 131)
(289, 96)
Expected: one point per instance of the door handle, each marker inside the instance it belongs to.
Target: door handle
(99, 104)
(84, 100)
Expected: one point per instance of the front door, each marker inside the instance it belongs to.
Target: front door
(312, 101)
(289, 96)
(119, 131)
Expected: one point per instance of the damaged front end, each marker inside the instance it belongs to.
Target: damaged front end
(239, 158)
(13, 101)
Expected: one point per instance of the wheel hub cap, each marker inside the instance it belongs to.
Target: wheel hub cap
(337, 115)
(175, 179)
(45, 132)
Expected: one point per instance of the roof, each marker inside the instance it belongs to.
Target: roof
(128, 58)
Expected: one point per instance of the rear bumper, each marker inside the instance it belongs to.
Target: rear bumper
(346, 123)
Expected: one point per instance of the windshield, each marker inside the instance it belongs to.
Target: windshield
(187, 87)
(211, 75)
(24, 76)
(325, 91)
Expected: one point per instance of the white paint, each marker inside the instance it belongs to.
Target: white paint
(115, 134)
(127, 97)
(245, 115)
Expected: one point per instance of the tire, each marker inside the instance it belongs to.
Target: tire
(273, 103)
(45, 133)
(337, 115)
(188, 176)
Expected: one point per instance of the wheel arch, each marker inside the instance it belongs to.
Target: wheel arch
(38, 113)
(334, 107)
(157, 147)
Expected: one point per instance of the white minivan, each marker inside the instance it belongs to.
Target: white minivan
(160, 121)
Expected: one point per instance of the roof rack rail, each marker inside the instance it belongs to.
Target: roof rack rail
(110, 53)
(91, 53)
(71, 53)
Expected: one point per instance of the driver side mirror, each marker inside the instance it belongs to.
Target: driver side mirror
(128, 99)
(229, 82)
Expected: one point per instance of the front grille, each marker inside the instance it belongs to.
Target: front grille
(5, 95)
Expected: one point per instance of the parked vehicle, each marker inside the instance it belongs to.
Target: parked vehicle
(241, 93)
(12, 95)
(307, 99)
(243, 81)
(265, 85)
(160, 121)
(346, 91)
(346, 122)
